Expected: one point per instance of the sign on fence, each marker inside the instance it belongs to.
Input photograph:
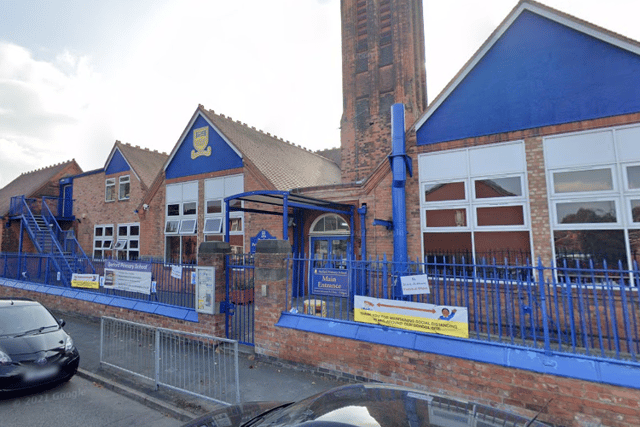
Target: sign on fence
(435, 319)
(127, 276)
(331, 282)
(87, 281)
(415, 285)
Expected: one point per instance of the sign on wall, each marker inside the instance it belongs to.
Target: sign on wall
(128, 276)
(262, 235)
(205, 278)
(434, 319)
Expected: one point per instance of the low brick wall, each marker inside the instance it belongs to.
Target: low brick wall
(563, 401)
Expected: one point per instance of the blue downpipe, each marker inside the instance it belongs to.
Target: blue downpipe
(400, 162)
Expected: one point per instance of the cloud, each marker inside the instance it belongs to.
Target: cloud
(41, 104)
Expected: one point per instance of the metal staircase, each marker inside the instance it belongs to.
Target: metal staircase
(48, 238)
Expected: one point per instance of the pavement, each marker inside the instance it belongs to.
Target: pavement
(259, 380)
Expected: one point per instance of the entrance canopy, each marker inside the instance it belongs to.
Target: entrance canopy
(286, 201)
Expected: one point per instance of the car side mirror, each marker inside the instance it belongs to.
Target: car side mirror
(61, 322)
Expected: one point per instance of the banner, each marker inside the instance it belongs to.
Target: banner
(434, 319)
(87, 281)
(127, 276)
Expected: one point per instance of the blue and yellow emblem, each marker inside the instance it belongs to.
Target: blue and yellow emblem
(201, 142)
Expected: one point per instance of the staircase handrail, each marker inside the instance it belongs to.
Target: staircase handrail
(69, 237)
(28, 222)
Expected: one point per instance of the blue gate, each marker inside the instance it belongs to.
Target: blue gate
(240, 302)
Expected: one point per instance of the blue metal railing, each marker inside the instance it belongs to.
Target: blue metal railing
(173, 285)
(595, 312)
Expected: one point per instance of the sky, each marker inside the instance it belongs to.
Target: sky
(77, 75)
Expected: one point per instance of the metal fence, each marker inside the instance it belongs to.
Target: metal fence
(240, 289)
(592, 311)
(200, 365)
(173, 282)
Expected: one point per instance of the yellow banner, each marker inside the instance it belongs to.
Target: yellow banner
(87, 281)
(420, 317)
(420, 324)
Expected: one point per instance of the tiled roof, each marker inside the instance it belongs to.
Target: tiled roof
(286, 165)
(145, 163)
(30, 184)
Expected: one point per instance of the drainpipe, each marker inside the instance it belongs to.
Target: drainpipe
(363, 245)
(400, 162)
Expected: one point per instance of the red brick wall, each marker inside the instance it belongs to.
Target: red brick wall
(91, 209)
(570, 402)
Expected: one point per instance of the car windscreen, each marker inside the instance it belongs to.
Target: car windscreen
(18, 319)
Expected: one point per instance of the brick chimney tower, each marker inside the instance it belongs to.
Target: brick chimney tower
(382, 64)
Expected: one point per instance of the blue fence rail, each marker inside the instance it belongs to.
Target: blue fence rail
(173, 283)
(594, 312)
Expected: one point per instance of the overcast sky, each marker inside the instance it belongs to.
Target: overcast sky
(77, 75)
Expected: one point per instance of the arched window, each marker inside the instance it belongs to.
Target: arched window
(330, 224)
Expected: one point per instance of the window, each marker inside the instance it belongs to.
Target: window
(127, 245)
(110, 190)
(124, 188)
(474, 204)
(181, 223)
(102, 241)
(331, 223)
(213, 225)
(595, 196)
(216, 190)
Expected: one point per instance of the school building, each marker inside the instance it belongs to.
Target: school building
(531, 152)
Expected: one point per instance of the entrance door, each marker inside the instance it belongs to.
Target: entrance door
(330, 251)
(65, 210)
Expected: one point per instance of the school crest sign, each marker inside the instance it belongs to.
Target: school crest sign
(201, 143)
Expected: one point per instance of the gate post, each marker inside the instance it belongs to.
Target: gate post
(213, 254)
(271, 294)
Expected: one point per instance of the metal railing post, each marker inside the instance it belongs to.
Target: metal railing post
(543, 307)
(157, 359)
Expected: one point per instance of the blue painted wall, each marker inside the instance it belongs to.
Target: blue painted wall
(117, 164)
(538, 73)
(222, 155)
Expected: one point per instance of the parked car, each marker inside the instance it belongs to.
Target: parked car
(369, 404)
(34, 349)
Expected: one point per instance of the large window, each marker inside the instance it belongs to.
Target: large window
(594, 196)
(181, 222)
(474, 204)
(215, 191)
(102, 241)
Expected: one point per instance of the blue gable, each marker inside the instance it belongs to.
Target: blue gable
(117, 164)
(538, 73)
(215, 156)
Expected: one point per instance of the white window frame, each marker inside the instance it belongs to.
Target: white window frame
(603, 193)
(110, 183)
(124, 182)
(123, 241)
(216, 230)
(106, 242)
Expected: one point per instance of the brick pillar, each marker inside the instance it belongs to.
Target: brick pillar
(212, 254)
(271, 296)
